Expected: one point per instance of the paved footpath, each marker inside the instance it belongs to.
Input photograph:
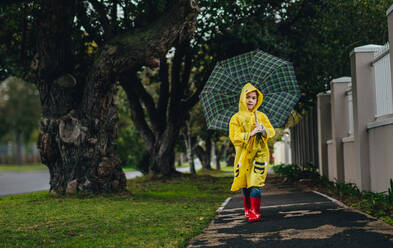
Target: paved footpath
(293, 218)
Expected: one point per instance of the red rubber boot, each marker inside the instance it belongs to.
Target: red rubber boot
(247, 206)
(255, 212)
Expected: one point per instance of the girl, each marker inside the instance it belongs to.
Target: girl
(249, 131)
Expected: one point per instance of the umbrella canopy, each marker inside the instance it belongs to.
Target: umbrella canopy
(273, 76)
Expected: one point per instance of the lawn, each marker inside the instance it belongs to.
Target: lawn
(158, 213)
(23, 168)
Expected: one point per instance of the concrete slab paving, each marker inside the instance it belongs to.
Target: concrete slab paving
(293, 218)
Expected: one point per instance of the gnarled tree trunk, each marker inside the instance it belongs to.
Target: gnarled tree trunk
(79, 123)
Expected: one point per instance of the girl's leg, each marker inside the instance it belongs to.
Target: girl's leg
(256, 192)
(246, 201)
(255, 212)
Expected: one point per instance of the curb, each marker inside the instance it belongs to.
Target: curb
(223, 204)
(341, 204)
(352, 208)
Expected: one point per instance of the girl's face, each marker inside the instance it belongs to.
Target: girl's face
(251, 99)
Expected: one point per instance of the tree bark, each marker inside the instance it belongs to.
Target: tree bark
(220, 151)
(189, 150)
(18, 143)
(204, 155)
(218, 156)
(79, 123)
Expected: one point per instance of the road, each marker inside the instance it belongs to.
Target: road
(24, 182)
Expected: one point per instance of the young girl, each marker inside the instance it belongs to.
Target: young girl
(249, 131)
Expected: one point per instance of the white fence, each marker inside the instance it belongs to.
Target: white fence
(29, 153)
(383, 86)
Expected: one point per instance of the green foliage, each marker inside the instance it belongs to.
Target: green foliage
(17, 43)
(290, 171)
(20, 109)
(23, 168)
(376, 204)
(130, 146)
(390, 192)
(327, 31)
(343, 189)
(299, 31)
(303, 32)
(293, 172)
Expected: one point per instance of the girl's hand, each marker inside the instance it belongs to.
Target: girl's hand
(258, 129)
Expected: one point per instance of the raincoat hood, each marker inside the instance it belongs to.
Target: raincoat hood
(243, 100)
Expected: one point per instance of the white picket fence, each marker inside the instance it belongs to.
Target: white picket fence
(383, 85)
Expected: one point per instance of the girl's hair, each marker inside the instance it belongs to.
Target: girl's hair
(253, 91)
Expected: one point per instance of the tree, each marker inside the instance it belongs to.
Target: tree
(200, 141)
(129, 145)
(19, 111)
(321, 34)
(159, 115)
(77, 85)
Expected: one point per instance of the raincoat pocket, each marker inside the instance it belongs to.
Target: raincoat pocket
(258, 174)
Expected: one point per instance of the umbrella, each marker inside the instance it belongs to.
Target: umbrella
(273, 76)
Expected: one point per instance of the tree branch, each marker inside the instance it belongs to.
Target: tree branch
(194, 98)
(148, 102)
(164, 93)
(142, 47)
(176, 89)
(137, 113)
(9, 2)
(187, 66)
(148, 45)
(100, 10)
(84, 21)
(114, 16)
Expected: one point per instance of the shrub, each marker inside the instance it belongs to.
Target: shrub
(290, 171)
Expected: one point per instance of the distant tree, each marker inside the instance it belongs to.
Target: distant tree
(321, 34)
(129, 145)
(20, 112)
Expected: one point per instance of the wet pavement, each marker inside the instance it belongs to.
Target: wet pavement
(293, 218)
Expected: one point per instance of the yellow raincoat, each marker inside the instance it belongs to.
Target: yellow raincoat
(252, 154)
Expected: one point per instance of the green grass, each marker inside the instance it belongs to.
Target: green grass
(183, 165)
(22, 168)
(160, 213)
(125, 169)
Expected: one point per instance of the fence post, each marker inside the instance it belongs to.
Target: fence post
(364, 109)
(324, 131)
(389, 14)
(338, 102)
